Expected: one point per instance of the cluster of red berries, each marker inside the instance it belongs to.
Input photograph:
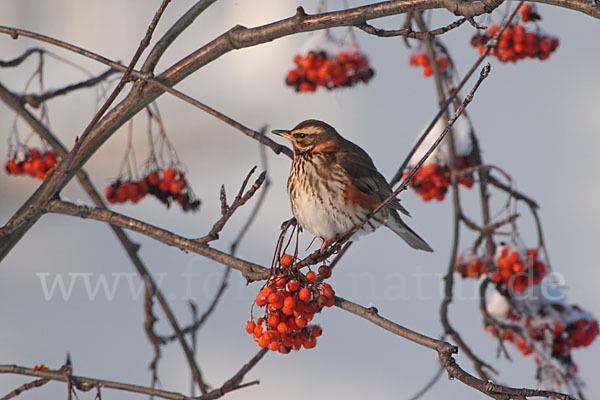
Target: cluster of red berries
(171, 186)
(518, 270)
(432, 180)
(564, 337)
(580, 333)
(321, 69)
(291, 300)
(509, 336)
(422, 60)
(35, 164)
(471, 267)
(516, 43)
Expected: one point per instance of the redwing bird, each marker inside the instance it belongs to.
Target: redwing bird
(334, 185)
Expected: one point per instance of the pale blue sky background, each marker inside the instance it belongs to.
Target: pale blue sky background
(539, 121)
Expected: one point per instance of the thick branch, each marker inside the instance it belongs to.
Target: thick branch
(229, 386)
(61, 377)
(251, 271)
(445, 352)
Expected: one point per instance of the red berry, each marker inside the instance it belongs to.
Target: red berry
(300, 321)
(316, 331)
(324, 271)
(169, 174)
(283, 328)
(286, 260)
(293, 285)
(153, 178)
(304, 294)
(289, 302)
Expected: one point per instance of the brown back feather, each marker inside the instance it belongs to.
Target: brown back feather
(364, 174)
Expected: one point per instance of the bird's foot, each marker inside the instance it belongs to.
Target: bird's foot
(326, 244)
(330, 242)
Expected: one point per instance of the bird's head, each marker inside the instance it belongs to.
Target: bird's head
(312, 136)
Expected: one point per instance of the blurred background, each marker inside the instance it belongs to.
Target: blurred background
(538, 120)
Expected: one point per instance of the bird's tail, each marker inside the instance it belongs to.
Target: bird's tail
(396, 224)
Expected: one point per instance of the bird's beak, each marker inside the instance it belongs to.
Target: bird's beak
(282, 133)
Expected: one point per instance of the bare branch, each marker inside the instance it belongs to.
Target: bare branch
(149, 323)
(57, 375)
(89, 383)
(24, 387)
(250, 271)
(514, 193)
(408, 32)
(445, 352)
(35, 100)
(199, 322)
(18, 60)
(261, 138)
(174, 31)
(239, 201)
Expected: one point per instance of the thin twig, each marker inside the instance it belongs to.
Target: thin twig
(228, 210)
(197, 324)
(24, 387)
(149, 323)
(174, 31)
(35, 100)
(18, 60)
(408, 32)
(514, 193)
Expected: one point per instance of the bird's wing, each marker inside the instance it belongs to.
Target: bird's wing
(359, 166)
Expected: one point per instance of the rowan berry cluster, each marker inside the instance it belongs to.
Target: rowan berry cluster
(319, 68)
(516, 43)
(167, 186)
(35, 164)
(471, 266)
(580, 333)
(433, 180)
(554, 328)
(291, 299)
(508, 335)
(422, 60)
(518, 269)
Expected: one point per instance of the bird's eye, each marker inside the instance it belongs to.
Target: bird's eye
(299, 135)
